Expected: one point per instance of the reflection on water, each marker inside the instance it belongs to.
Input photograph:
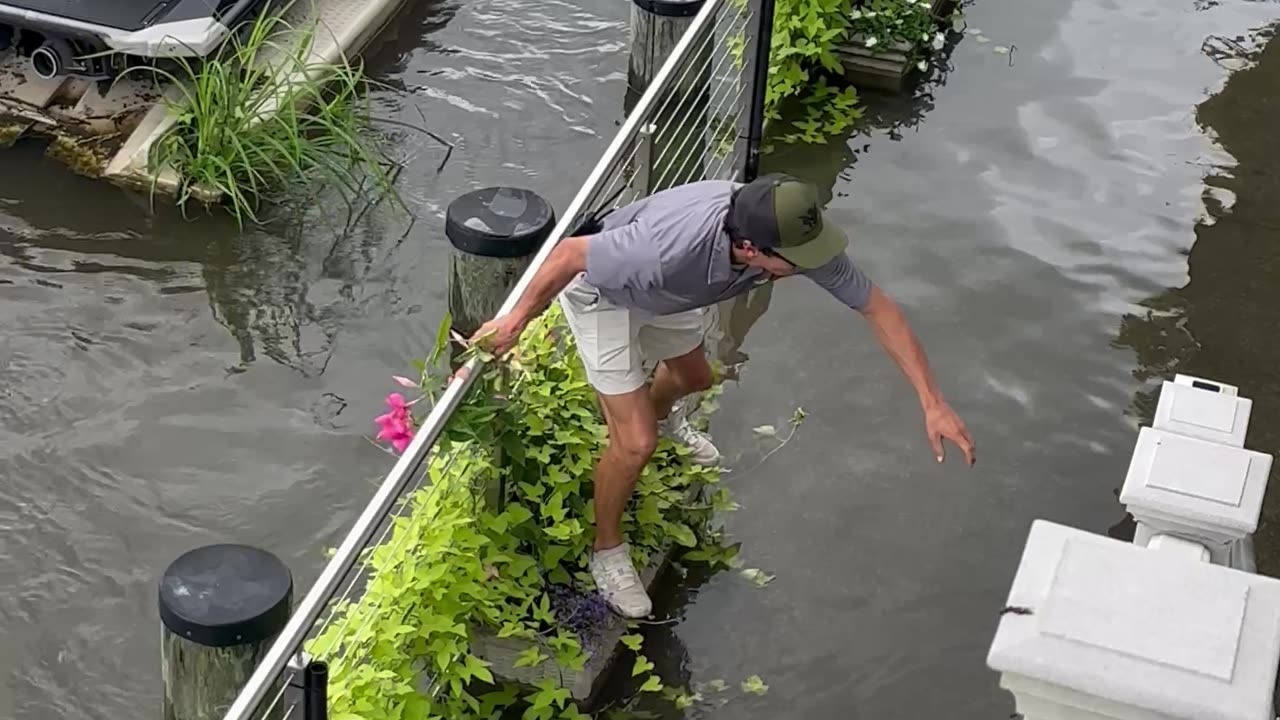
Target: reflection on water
(885, 115)
(1225, 322)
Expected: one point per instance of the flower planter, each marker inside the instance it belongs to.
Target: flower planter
(884, 66)
(601, 654)
(602, 650)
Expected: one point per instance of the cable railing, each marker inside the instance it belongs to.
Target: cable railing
(699, 117)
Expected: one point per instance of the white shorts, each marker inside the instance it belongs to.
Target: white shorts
(619, 345)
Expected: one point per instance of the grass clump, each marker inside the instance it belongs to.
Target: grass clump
(263, 113)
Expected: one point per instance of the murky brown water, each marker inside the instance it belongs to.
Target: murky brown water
(164, 384)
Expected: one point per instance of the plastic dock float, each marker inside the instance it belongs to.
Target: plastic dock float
(107, 128)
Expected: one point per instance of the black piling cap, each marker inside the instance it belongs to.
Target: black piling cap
(499, 222)
(223, 595)
(671, 8)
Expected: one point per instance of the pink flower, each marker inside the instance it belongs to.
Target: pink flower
(397, 424)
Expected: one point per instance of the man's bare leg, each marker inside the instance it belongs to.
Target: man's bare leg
(679, 377)
(632, 438)
(633, 435)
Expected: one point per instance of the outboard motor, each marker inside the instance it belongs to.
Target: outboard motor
(52, 58)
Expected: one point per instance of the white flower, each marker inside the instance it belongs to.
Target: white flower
(871, 42)
(939, 41)
(856, 14)
(872, 14)
(922, 66)
(925, 37)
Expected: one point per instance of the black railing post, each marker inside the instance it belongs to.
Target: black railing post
(315, 691)
(763, 42)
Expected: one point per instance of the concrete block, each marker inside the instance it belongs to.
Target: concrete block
(1203, 490)
(1100, 629)
(1203, 409)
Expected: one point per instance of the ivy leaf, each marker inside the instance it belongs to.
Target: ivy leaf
(513, 447)
(531, 657)
(758, 577)
(682, 534)
(479, 668)
(653, 684)
(442, 338)
(683, 701)
(754, 685)
(633, 642)
(642, 666)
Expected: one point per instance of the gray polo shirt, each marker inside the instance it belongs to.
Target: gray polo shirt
(669, 253)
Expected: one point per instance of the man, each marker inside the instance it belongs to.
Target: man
(634, 292)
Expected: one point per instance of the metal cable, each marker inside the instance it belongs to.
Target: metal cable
(687, 98)
(666, 103)
(364, 567)
(342, 656)
(691, 155)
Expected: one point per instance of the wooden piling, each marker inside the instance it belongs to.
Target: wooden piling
(221, 606)
(495, 233)
(674, 151)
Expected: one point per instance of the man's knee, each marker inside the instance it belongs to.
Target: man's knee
(691, 371)
(698, 379)
(635, 447)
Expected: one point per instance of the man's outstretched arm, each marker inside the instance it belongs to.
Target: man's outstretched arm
(567, 260)
(904, 347)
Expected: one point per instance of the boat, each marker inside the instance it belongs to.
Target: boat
(98, 39)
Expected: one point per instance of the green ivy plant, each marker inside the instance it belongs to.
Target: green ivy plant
(498, 541)
(802, 57)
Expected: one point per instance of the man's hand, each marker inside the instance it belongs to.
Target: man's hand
(499, 334)
(940, 422)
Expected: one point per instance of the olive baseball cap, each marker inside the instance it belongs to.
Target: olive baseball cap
(781, 214)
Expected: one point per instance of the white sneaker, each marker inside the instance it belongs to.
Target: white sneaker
(676, 427)
(618, 582)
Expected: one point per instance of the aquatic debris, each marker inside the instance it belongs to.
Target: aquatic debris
(754, 685)
(85, 156)
(758, 577)
(11, 131)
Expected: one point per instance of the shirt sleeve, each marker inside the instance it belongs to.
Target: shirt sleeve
(844, 280)
(623, 258)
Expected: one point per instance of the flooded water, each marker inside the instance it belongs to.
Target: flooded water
(1064, 224)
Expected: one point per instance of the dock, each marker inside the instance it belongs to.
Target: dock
(106, 129)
